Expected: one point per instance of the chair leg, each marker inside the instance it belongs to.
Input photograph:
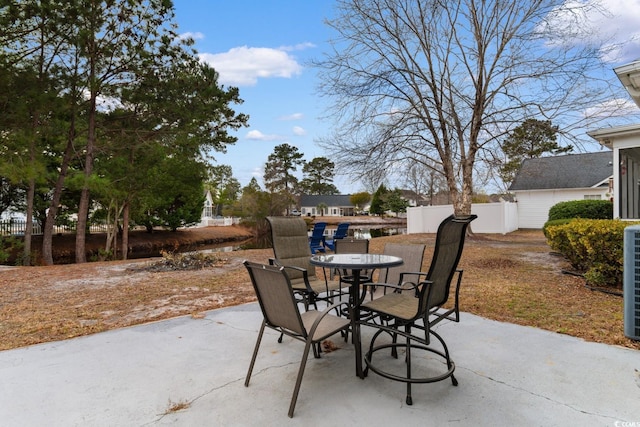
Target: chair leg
(317, 350)
(296, 389)
(409, 399)
(447, 356)
(255, 354)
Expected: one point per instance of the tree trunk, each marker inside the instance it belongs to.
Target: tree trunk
(83, 207)
(47, 238)
(28, 229)
(81, 228)
(125, 230)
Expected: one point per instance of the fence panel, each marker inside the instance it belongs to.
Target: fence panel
(16, 227)
(499, 217)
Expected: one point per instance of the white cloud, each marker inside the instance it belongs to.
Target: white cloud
(242, 66)
(294, 116)
(257, 173)
(612, 108)
(299, 46)
(259, 136)
(612, 21)
(194, 36)
(297, 130)
(104, 104)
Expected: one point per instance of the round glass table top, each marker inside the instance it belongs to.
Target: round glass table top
(355, 261)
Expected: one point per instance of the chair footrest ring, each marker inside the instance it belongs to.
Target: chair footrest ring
(405, 379)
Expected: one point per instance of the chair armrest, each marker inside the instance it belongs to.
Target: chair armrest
(305, 275)
(292, 267)
(404, 285)
(383, 285)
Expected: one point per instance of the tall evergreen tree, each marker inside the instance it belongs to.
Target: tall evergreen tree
(532, 139)
(319, 173)
(279, 169)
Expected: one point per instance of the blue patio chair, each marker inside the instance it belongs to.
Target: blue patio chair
(316, 241)
(341, 233)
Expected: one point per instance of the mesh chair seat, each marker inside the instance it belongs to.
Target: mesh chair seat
(398, 305)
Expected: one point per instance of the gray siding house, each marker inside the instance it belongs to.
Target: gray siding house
(333, 205)
(543, 182)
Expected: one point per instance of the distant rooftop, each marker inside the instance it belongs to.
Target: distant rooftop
(571, 171)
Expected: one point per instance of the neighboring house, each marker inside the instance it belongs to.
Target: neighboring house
(332, 205)
(541, 183)
(414, 198)
(625, 143)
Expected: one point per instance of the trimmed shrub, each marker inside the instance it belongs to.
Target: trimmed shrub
(554, 222)
(594, 247)
(589, 209)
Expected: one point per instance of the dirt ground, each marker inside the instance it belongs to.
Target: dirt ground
(511, 278)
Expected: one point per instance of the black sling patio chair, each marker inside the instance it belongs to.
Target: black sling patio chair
(280, 311)
(420, 308)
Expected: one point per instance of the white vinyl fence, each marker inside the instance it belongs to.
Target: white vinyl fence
(218, 221)
(501, 217)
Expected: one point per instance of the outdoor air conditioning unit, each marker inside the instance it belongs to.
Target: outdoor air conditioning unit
(631, 284)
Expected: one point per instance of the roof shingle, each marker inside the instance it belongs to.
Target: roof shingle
(571, 171)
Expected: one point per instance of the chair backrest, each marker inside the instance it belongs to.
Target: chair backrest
(411, 254)
(316, 241)
(291, 244)
(318, 229)
(275, 296)
(449, 243)
(352, 246)
(341, 231)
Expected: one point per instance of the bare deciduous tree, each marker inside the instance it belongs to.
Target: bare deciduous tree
(440, 83)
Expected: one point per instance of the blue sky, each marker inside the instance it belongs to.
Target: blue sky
(263, 47)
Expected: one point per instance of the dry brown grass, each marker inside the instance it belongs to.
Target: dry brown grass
(510, 278)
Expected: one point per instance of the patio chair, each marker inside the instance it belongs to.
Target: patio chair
(280, 312)
(411, 254)
(340, 233)
(316, 240)
(291, 248)
(421, 308)
(345, 276)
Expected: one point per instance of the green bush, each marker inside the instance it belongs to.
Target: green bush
(554, 222)
(588, 209)
(592, 246)
(10, 247)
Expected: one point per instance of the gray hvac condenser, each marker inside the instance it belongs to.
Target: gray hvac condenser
(631, 284)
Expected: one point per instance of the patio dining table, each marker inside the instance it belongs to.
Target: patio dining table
(356, 263)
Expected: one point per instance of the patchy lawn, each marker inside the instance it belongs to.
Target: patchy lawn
(511, 278)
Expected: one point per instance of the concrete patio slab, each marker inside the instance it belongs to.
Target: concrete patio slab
(141, 376)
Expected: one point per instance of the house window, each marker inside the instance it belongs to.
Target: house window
(592, 196)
